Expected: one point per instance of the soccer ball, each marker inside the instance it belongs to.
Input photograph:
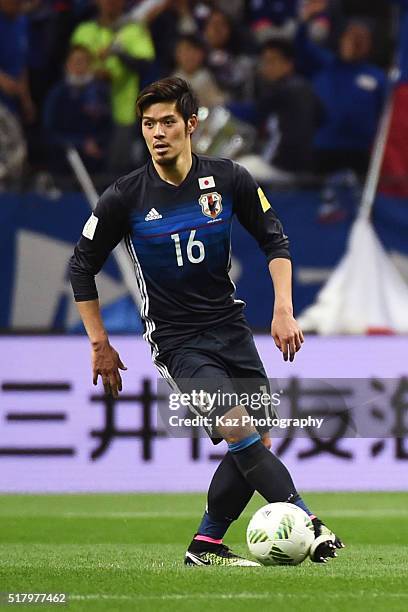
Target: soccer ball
(280, 534)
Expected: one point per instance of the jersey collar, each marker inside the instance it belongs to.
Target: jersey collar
(160, 182)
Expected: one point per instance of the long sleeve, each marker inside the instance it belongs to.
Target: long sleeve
(102, 232)
(256, 214)
(310, 57)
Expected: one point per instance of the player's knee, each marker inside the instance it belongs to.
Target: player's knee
(234, 426)
(237, 434)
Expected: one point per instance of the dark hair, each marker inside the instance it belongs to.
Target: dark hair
(234, 41)
(193, 40)
(73, 48)
(170, 89)
(283, 47)
(365, 22)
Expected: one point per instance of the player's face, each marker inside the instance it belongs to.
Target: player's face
(165, 132)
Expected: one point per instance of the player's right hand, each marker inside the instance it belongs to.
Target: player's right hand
(106, 363)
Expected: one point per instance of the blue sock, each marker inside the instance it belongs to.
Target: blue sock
(236, 447)
(298, 501)
(213, 528)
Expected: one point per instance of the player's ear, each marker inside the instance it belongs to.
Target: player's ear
(192, 124)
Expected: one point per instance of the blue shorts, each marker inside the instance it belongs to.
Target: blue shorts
(224, 359)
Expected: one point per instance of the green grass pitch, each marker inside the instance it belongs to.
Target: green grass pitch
(124, 552)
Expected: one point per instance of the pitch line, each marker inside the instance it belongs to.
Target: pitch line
(369, 513)
(233, 596)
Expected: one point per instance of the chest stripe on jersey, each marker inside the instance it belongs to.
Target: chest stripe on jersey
(184, 229)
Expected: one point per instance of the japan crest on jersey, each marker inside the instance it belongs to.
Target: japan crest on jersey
(211, 204)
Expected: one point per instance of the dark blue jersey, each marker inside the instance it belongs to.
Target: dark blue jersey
(178, 238)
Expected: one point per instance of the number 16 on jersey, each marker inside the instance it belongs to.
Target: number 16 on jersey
(195, 256)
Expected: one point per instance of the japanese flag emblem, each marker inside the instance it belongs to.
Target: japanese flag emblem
(206, 182)
(211, 204)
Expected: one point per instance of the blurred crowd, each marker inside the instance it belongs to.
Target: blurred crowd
(288, 87)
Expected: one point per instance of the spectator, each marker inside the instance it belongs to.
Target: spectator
(190, 57)
(271, 18)
(50, 26)
(232, 69)
(352, 93)
(288, 109)
(121, 54)
(235, 9)
(288, 115)
(13, 148)
(14, 90)
(77, 113)
(50, 23)
(176, 18)
(351, 90)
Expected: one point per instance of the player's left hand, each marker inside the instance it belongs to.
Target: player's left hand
(287, 335)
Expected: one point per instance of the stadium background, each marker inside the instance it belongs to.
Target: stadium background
(58, 433)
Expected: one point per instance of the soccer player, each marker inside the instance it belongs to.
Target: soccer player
(175, 216)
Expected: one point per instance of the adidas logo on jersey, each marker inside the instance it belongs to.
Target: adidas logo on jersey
(152, 215)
